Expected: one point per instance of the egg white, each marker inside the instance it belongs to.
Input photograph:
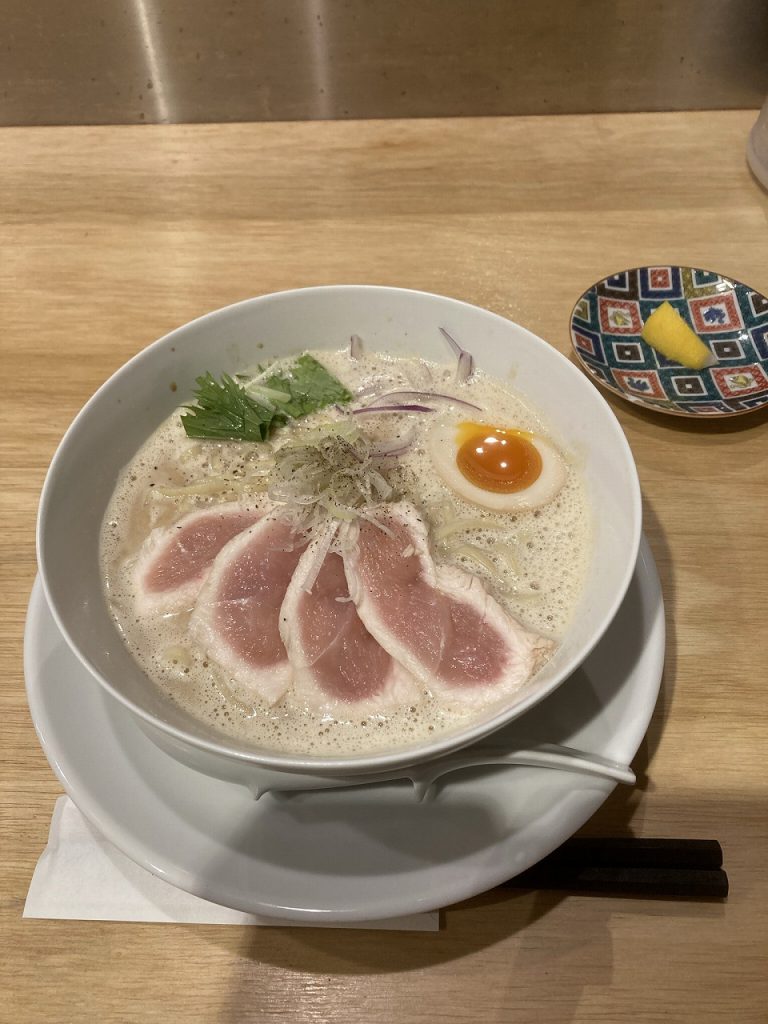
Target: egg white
(443, 448)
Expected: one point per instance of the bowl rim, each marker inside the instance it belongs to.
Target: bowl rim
(350, 764)
(644, 403)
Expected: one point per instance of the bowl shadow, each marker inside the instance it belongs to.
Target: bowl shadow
(622, 811)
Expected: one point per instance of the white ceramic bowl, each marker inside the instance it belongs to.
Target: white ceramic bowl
(136, 399)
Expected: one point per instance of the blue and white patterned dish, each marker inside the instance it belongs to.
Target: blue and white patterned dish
(729, 317)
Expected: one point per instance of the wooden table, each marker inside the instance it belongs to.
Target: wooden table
(112, 236)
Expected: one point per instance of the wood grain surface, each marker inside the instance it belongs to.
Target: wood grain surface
(112, 236)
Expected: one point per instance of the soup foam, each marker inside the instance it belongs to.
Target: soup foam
(540, 557)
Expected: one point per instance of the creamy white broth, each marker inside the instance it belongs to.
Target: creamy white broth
(538, 557)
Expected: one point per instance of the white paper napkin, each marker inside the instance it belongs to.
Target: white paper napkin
(82, 877)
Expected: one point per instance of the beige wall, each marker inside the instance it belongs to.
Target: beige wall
(113, 61)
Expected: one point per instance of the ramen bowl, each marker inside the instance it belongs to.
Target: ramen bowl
(127, 409)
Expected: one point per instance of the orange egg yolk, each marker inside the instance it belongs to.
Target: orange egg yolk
(496, 459)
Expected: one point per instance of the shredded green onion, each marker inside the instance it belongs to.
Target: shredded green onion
(462, 525)
(329, 469)
(477, 555)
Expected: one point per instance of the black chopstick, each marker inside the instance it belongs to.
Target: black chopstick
(665, 868)
(630, 852)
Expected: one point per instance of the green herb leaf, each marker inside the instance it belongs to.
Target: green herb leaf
(309, 386)
(225, 410)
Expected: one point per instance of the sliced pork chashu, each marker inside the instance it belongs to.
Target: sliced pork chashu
(236, 618)
(174, 561)
(338, 666)
(439, 622)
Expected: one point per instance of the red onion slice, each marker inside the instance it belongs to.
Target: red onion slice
(392, 408)
(391, 449)
(466, 363)
(415, 395)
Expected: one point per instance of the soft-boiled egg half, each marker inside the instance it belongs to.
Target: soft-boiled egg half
(498, 468)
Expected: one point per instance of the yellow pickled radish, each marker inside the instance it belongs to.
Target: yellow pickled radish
(667, 332)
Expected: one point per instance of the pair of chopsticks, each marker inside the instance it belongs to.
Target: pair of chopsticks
(689, 869)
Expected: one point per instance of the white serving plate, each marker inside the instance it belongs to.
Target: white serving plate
(356, 854)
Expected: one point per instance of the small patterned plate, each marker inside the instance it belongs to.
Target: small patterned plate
(730, 318)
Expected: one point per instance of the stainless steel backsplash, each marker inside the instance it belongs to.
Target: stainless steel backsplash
(130, 61)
